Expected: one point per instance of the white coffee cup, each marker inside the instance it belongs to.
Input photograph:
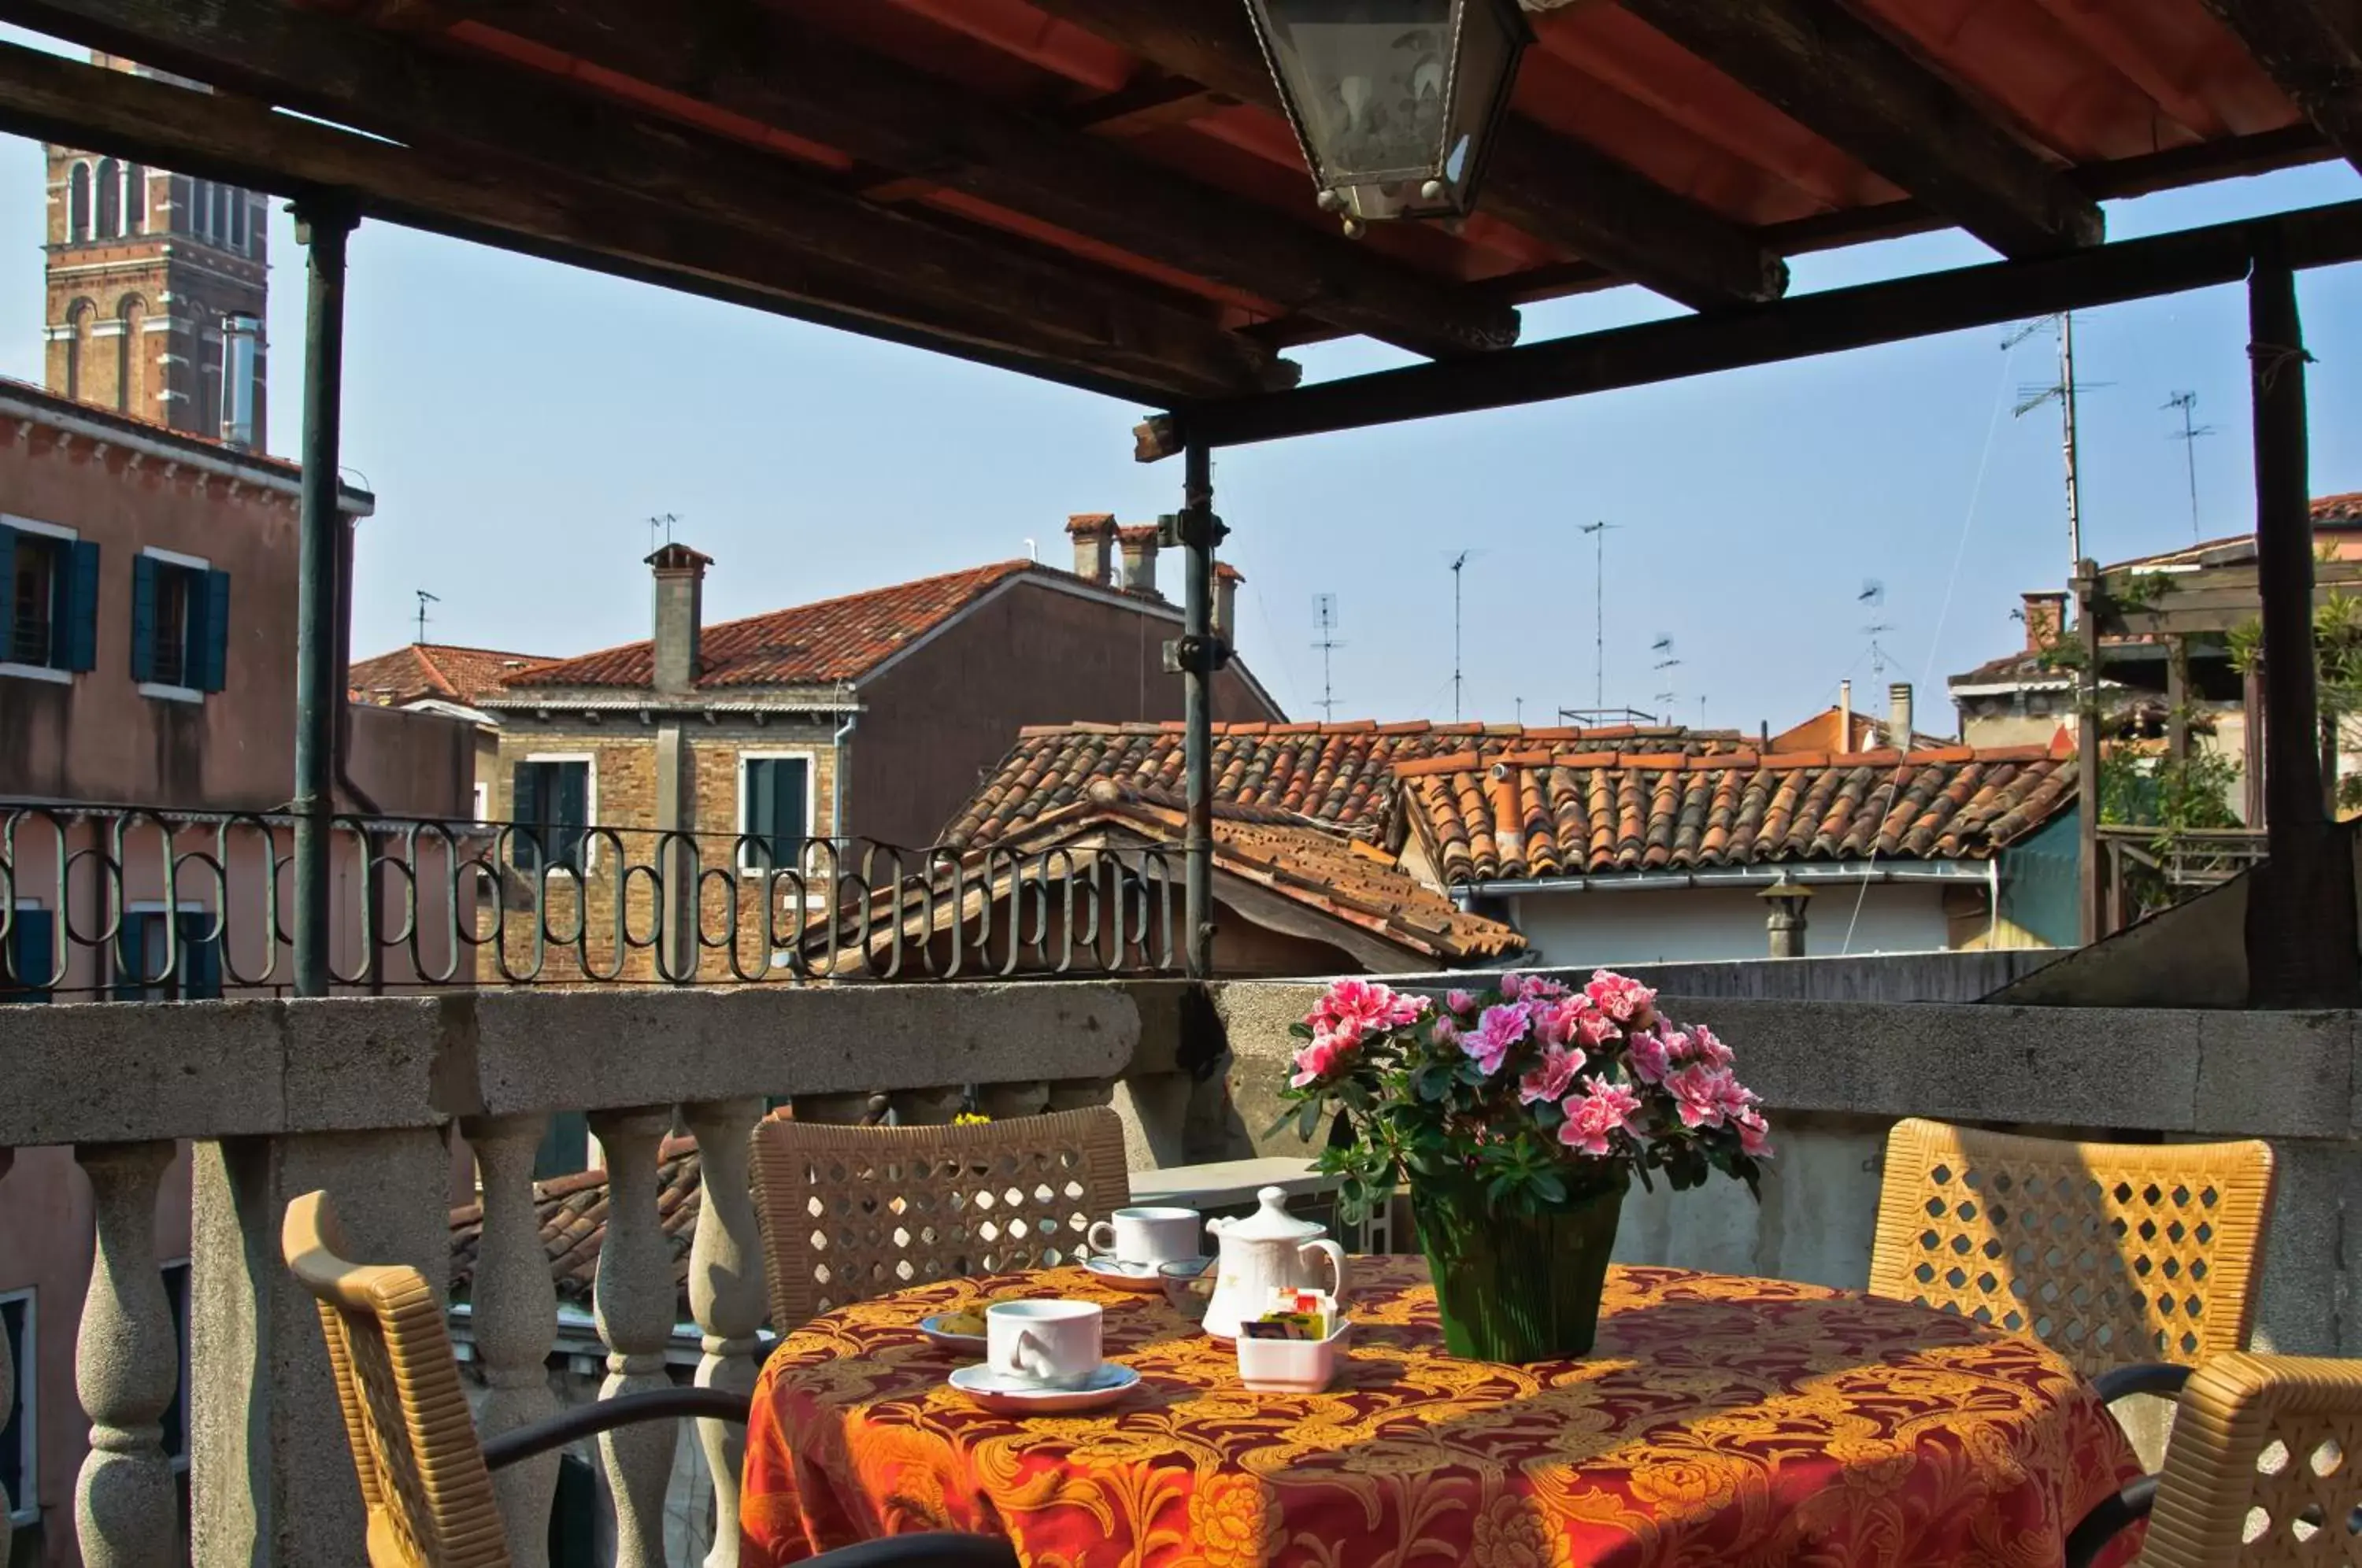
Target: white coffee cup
(1148, 1236)
(1049, 1344)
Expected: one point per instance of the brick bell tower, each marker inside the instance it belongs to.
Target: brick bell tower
(157, 286)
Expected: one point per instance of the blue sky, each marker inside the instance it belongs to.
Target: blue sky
(519, 421)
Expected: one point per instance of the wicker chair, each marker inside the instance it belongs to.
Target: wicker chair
(2262, 1470)
(2133, 1261)
(426, 1480)
(852, 1212)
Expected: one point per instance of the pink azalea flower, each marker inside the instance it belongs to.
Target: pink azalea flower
(1499, 1029)
(1541, 987)
(1318, 1058)
(1365, 1006)
(1621, 997)
(1513, 986)
(1553, 1024)
(1552, 1078)
(1460, 1001)
(1650, 1055)
(1754, 1135)
(1446, 1032)
(1593, 1028)
(1601, 1109)
(1703, 1096)
(1706, 1047)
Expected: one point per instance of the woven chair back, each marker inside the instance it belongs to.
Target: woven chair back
(2265, 1467)
(849, 1213)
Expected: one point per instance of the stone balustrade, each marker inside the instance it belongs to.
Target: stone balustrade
(363, 1097)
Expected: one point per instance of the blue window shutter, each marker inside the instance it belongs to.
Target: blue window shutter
(760, 851)
(573, 812)
(130, 959)
(200, 957)
(788, 809)
(209, 639)
(143, 617)
(525, 810)
(77, 633)
(565, 1148)
(7, 592)
(29, 948)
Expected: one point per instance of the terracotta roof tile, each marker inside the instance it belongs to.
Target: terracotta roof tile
(436, 670)
(1595, 812)
(1338, 775)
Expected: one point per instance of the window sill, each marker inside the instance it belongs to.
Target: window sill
(164, 693)
(35, 672)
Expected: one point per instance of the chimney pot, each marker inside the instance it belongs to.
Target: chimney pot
(2046, 618)
(1898, 714)
(1845, 715)
(679, 574)
(1094, 537)
(1138, 547)
(1227, 578)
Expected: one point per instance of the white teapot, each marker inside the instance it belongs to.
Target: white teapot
(1268, 1249)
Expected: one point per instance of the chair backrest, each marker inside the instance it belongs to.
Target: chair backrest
(429, 1497)
(2265, 1465)
(852, 1212)
(2111, 1253)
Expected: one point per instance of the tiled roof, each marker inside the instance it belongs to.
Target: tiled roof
(1572, 813)
(1340, 775)
(2023, 667)
(825, 643)
(2345, 508)
(1327, 872)
(573, 1214)
(436, 670)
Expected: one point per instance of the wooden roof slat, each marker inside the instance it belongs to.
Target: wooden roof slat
(770, 69)
(1554, 188)
(2313, 49)
(1846, 83)
(555, 147)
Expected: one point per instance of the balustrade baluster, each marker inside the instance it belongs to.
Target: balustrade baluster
(928, 1107)
(7, 1388)
(727, 1295)
(127, 1367)
(1077, 1094)
(1001, 1101)
(514, 1316)
(635, 1302)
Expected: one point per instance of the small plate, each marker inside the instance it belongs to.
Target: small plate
(1003, 1395)
(935, 1332)
(1141, 1277)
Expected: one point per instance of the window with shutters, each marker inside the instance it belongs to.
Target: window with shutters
(775, 809)
(20, 1449)
(49, 614)
(179, 625)
(554, 799)
(150, 966)
(29, 962)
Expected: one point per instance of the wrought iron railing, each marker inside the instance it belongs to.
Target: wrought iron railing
(138, 903)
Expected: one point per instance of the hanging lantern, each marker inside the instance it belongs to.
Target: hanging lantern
(1394, 102)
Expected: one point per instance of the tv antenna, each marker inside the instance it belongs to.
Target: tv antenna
(665, 520)
(425, 599)
(1324, 616)
(1459, 562)
(2186, 402)
(1666, 663)
(2033, 395)
(1873, 599)
(1598, 532)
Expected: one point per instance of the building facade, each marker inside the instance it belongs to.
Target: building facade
(157, 293)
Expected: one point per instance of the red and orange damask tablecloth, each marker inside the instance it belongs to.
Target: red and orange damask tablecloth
(1717, 1420)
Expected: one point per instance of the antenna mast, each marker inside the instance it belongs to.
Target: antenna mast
(1666, 664)
(2034, 397)
(1873, 598)
(1598, 532)
(1324, 616)
(664, 520)
(2186, 402)
(425, 599)
(1458, 562)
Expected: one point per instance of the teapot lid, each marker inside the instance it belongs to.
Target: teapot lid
(1272, 1221)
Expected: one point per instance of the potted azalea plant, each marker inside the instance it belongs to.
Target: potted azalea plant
(1517, 1117)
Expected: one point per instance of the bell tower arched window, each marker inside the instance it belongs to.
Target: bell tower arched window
(78, 319)
(110, 197)
(78, 202)
(130, 379)
(135, 198)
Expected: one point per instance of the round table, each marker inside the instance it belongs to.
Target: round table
(1717, 1420)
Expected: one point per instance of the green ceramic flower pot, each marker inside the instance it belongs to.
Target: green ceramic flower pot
(1517, 1288)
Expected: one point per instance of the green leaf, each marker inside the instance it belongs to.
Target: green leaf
(1308, 1120)
(1301, 1031)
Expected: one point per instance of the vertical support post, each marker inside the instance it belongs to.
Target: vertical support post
(324, 221)
(726, 1296)
(515, 1311)
(7, 1388)
(2087, 726)
(127, 1365)
(1202, 659)
(2301, 935)
(632, 1298)
(2251, 757)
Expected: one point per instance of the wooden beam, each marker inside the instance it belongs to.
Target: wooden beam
(2312, 49)
(233, 138)
(526, 138)
(1846, 83)
(764, 66)
(1799, 329)
(1554, 188)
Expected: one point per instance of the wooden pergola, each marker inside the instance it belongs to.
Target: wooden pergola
(1102, 192)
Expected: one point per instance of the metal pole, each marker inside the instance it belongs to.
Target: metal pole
(2067, 438)
(2092, 923)
(324, 221)
(1201, 658)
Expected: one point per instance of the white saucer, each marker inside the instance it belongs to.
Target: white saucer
(934, 1330)
(1125, 1276)
(1005, 1396)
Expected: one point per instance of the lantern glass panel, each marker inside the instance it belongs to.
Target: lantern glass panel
(1369, 78)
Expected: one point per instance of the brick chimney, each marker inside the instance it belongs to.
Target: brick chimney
(679, 614)
(1898, 714)
(1227, 578)
(2045, 619)
(1138, 547)
(1094, 537)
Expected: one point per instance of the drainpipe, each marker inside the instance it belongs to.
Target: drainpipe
(1198, 657)
(1993, 904)
(837, 784)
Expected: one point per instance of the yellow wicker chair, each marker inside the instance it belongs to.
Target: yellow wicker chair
(2265, 1468)
(2133, 1261)
(852, 1212)
(425, 1479)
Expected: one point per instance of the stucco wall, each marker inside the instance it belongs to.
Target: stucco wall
(1696, 924)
